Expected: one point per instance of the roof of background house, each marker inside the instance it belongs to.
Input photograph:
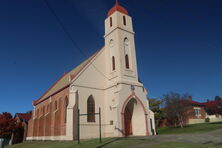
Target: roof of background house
(64, 80)
(24, 116)
(212, 103)
(206, 104)
(195, 103)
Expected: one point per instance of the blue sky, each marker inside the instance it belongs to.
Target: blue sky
(178, 44)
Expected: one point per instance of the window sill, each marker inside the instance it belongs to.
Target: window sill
(55, 111)
(130, 70)
(47, 114)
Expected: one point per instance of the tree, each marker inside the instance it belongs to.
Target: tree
(155, 107)
(7, 124)
(217, 98)
(176, 108)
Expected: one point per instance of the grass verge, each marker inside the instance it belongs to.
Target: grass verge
(182, 145)
(194, 128)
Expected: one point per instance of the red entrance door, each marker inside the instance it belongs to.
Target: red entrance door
(128, 122)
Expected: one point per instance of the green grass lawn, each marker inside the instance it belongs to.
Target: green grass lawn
(109, 143)
(131, 142)
(194, 128)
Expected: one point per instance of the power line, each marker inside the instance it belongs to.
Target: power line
(71, 39)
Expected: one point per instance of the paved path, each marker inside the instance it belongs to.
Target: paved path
(213, 137)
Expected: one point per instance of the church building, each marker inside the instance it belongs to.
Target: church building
(108, 80)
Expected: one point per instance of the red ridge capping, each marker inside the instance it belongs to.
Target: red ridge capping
(36, 101)
(117, 7)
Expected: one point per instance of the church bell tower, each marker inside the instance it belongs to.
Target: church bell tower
(120, 45)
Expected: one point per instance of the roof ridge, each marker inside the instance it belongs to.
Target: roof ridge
(35, 101)
(70, 74)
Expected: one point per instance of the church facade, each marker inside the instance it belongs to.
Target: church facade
(107, 80)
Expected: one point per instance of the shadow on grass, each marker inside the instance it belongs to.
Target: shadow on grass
(216, 123)
(114, 140)
(121, 138)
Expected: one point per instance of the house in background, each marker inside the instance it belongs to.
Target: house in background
(199, 111)
(213, 108)
(20, 133)
(196, 113)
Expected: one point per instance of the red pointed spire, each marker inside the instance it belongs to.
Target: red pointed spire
(117, 7)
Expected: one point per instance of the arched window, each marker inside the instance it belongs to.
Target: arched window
(124, 20)
(90, 109)
(111, 21)
(126, 50)
(65, 107)
(113, 63)
(127, 61)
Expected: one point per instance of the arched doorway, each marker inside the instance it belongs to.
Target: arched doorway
(134, 118)
(128, 118)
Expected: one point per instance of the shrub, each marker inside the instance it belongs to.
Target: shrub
(207, 120)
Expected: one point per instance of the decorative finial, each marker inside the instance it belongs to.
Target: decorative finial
(117, 3)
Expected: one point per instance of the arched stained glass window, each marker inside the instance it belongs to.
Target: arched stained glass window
(90, 109)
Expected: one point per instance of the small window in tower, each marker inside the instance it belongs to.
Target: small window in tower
(124, 20)
(113, 63)
(111, 22)
(127, 61)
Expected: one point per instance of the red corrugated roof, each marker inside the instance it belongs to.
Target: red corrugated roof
(212, 103)
(206, 104)
(196, 103)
